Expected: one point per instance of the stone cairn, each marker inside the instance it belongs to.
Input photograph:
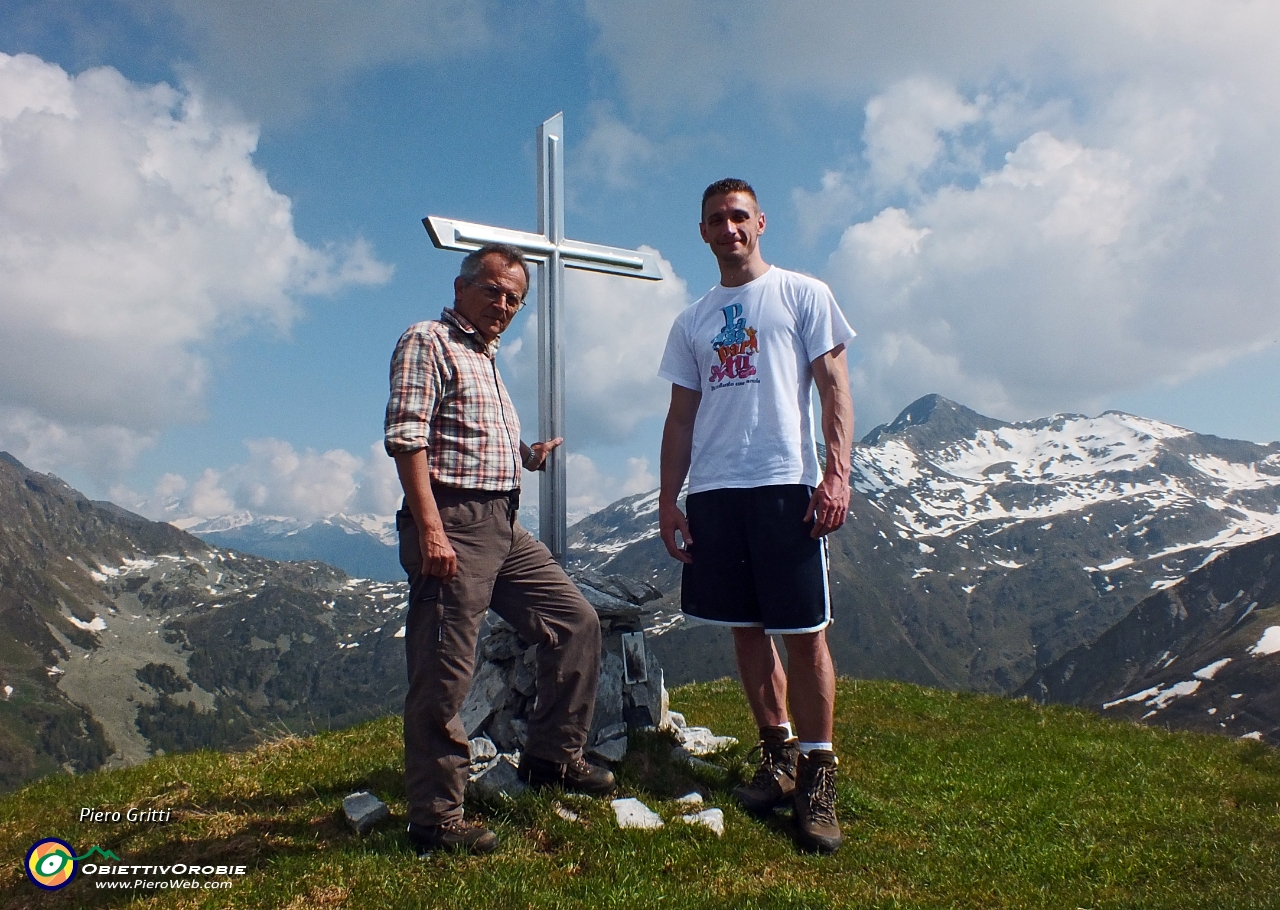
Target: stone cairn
(631, 695)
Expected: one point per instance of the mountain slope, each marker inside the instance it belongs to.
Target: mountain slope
(1201, 655)
(947, 800)
(978, 551)
(123, 637)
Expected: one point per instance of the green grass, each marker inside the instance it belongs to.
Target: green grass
(947, 800)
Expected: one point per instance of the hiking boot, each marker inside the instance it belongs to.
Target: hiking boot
(455, 834)
(815, 802)
(577, 776)
(775, 780)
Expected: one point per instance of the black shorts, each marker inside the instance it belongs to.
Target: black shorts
(754, 563)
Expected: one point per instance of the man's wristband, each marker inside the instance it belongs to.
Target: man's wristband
(531, 461)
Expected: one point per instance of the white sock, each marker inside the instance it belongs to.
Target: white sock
(806, 748)
(786, 725)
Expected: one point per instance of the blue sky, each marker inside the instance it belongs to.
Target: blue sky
(210, 216)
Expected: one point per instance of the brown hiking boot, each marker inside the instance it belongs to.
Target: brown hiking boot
(815, 802)
(577, 776)
(455, 834)
(775, 780)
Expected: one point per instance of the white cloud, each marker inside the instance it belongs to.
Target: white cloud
(591, 489)
(378, 491)
(102, 451)
(1055, 203)
(615, 329)
(835, 203)
(277, 481)
(611, 151)
(135, 232)
(276, 56)
(1098, 257)
(905, 129)
(679, 55)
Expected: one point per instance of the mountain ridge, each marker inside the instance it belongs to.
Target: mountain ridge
(979, 550)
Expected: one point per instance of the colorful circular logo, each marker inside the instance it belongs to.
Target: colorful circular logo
(51, 863)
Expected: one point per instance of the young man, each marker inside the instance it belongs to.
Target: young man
(741, 362)
(456, 440)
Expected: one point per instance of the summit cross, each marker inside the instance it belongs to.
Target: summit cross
(552, 254)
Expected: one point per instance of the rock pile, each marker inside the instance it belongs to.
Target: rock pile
(631, 694)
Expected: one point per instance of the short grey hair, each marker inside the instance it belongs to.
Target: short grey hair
(512, 255)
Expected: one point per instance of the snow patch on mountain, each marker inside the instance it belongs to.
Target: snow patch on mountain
(1269, 643)
(1070, 447)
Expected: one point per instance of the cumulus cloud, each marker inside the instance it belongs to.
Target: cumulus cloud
(1096, 257)
(676, 57)
(614, 332)
(1048, 208)
(135, 232)
(278, 481)
(905, 129)
(612, 152)
(591, 488)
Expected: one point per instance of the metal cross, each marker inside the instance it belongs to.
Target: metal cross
(552, 253)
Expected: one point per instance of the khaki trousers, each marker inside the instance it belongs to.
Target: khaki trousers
(500, 566)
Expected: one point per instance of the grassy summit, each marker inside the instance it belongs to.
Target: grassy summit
(947, 800)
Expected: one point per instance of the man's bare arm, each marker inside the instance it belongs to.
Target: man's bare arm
(438, 557)
(677, 450)
(830, 502)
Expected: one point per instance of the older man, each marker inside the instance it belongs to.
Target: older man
(455, 438)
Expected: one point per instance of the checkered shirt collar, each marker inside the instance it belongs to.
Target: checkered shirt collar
(452, 317)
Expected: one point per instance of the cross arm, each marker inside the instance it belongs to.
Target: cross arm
(465, 236)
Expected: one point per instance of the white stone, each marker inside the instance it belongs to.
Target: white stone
(690, 799)
(482, 750)
(364, 810)
(701, 741)
(677, 719)
(708, 818)
(631, 813)
(566, 813)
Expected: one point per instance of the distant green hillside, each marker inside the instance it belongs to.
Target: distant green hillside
(948, 800)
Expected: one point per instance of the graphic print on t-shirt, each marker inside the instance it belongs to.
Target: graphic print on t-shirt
(735, 346)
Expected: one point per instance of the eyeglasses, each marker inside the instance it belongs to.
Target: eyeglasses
(509, 299)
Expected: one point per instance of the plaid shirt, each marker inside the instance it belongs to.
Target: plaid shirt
(447, 398)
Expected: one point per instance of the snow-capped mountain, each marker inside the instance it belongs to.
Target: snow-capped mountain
(978, 550)
(361, 545)
(1069, 465)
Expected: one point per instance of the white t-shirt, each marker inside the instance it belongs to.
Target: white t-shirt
(748, 350)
